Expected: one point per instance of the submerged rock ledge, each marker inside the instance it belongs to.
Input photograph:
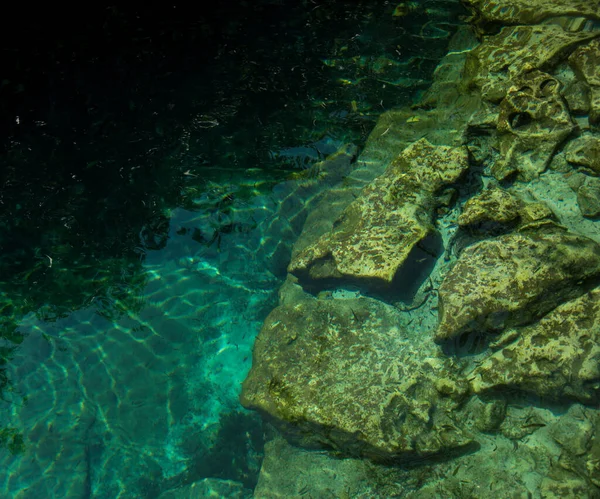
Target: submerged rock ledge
(491, 164)
(376, 233)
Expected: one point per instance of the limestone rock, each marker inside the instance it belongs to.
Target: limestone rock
(376, 233)
(295, 198)
(514, 51)
(514, 279)
(588, 197)
(490, 13)
(555, 358)
(585, 151)
(321, 218)
(347, 374)
(577, 95)
(585, 61)
(533, 121)
(535, 214)
(494, 206)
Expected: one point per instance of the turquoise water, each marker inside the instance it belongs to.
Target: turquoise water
(152, 188)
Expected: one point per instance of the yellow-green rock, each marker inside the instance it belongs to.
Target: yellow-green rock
(534, 119)
(492, 206)
(377, 232)
(349, 374)
(513, 280)
(514, 51)
(588, 198)
(585, 151)
(556, 358)
(585, 61)
(491, 13)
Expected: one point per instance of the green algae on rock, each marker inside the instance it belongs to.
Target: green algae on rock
(588, 197)
(376, 233)
(555, 358)
(283, 474)
(513, 280)
(515, 50)
(585, 61)
(491, 13)
(534, 119)
(496, 210)
(585, 151)
(346, 374)
(353, 376)
(492, 206)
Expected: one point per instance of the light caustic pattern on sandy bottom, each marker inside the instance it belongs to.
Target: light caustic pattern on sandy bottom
(103, 403)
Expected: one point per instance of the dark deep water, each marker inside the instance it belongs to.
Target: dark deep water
(143, 154)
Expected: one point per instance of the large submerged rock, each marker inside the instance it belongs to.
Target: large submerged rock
(346, 374)
(588, 197)
(284, 474)
(557, 357)
(360, 377)
(513, 280)
(376, 233)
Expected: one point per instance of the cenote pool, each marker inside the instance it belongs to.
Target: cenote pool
(301, 249)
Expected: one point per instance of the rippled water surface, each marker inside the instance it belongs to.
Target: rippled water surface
(149, 165)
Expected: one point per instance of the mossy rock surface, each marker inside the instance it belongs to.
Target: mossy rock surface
(585, 61)
(492, 206)
(347, 374)
(514, 280)
(534, 120)
(376, 233)
(488, 14)
(514, 51)
(556, 358)
(585, 151)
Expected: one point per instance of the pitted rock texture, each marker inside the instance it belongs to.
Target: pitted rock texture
(496, 211)
(346, 373)
(515, 50)
(557, 357)
(488, 14)
(377, 232)
(513, 280)
(585, 61)
(533, 121)
(585, 151)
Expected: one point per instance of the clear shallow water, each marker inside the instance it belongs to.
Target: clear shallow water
(147, 213)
